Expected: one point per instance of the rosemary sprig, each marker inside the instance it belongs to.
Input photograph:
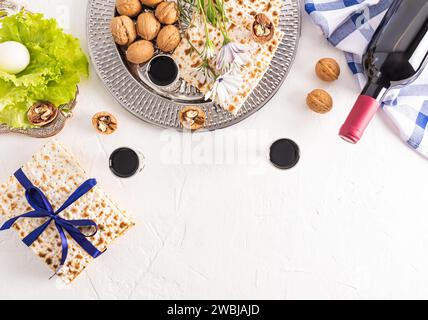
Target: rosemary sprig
(205, 64)
(212, 13)
(186, 9)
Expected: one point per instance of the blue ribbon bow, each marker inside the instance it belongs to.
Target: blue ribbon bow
(43, 209)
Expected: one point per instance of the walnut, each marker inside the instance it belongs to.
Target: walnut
(263, 29)
(140, 52)
(167, 12)
(148, 26)
(192, 118)
(151, 3)
(130, 8)
(327, 69)
(42, 113)
(123, 30)
(319, 101)
(168, 38)
(104, 122)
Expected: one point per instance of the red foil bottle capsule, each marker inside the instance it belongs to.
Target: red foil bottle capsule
(362, 113)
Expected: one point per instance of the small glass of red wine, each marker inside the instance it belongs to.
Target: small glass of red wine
(126, 162)
(284, 154)
(163, 72)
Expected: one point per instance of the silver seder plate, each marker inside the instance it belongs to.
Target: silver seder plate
(127, 83)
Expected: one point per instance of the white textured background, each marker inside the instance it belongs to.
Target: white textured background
(348, 222)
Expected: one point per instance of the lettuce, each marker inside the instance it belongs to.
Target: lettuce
(56, 67)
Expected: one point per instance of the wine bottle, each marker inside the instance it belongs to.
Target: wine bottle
(395, 57)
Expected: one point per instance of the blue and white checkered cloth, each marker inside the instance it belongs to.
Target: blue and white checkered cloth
(349, 25)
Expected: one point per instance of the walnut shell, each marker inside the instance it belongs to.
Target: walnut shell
(167, 12)
(151, 3)
(192, 118)
(262, 29)
(140, 52)
(123, 30)
(327, 69)
(168, 38)
(42, 113)
(148, 26)
(319, 101)
(105, 123)
(130, 8)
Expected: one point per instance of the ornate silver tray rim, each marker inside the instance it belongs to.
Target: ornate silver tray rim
(162, 112)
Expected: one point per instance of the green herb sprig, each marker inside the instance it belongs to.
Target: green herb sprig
(186, 9)
(212, 13)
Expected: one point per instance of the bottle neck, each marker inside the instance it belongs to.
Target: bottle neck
(375, 90)
(363, 111)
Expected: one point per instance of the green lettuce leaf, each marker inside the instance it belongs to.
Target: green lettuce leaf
(56, 67)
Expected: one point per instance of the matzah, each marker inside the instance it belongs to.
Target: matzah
(241, 16)
(57, 173)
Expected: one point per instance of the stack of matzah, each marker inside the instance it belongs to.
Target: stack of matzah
(57, 173)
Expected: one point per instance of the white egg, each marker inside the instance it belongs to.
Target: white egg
(14, 57)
